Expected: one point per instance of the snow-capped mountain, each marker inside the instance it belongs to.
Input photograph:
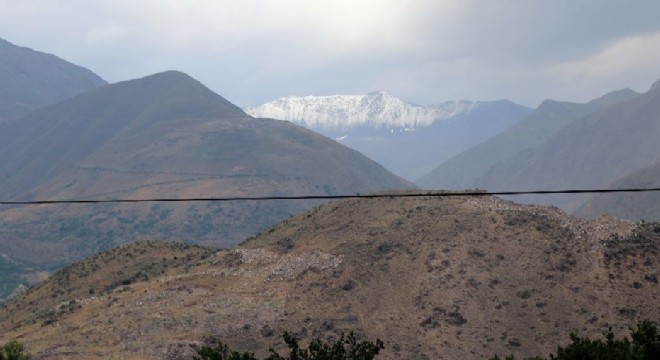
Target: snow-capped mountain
(407, 139)
(376, 109)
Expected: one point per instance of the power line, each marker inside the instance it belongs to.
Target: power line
(332, 197)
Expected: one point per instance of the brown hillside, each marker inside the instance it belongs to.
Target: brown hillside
(434, 278)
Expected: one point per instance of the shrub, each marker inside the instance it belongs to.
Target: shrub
(346, 348)
(645, 345)
(13, 350)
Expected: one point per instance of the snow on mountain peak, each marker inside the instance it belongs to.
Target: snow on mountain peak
(377, 108)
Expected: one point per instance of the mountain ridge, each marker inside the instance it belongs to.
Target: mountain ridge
(602, 139)
(463, 170)
(98, 115)
(377, 109)
(31, 79)
(631, 206)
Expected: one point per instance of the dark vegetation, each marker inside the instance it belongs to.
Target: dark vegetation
(645, 345)
(13, 351)
(345, 348)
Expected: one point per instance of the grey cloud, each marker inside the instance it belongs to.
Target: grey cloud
(423, 51)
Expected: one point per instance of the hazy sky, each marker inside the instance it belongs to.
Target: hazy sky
(424, 51)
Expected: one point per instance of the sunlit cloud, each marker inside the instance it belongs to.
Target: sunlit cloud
(633, 53)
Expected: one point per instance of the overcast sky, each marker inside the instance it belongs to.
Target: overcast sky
(424, 51)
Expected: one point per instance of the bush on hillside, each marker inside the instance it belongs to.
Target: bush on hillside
(345, 348)
(645, 345)
(13, 350)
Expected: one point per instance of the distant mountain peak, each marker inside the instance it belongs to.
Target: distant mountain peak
(376, 108)
(176, 93)
(615, 96)
(549, 105)
(655, 86)
(170, 74)
(381, 93)
(609, 98)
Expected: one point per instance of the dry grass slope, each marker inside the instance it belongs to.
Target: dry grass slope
(435, 278)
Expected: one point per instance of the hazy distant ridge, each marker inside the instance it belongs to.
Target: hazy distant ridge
(30, 79)
(468, 168)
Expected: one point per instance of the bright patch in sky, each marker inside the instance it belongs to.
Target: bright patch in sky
(422, 51)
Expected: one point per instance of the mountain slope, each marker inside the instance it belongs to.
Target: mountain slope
(641, 206)
(463, 170)
(591, 152)
(434, 278)
(165, 135)
(52, 139)
(407, 139)
(31, 79)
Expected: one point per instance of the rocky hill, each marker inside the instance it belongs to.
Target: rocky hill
(165, 135)
(434, 278)
(407, 139)
(31, 79)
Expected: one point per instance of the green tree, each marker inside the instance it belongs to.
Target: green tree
(345, 348)
(222, 352)
(645, 345)
(13, 350)
(646, 340)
